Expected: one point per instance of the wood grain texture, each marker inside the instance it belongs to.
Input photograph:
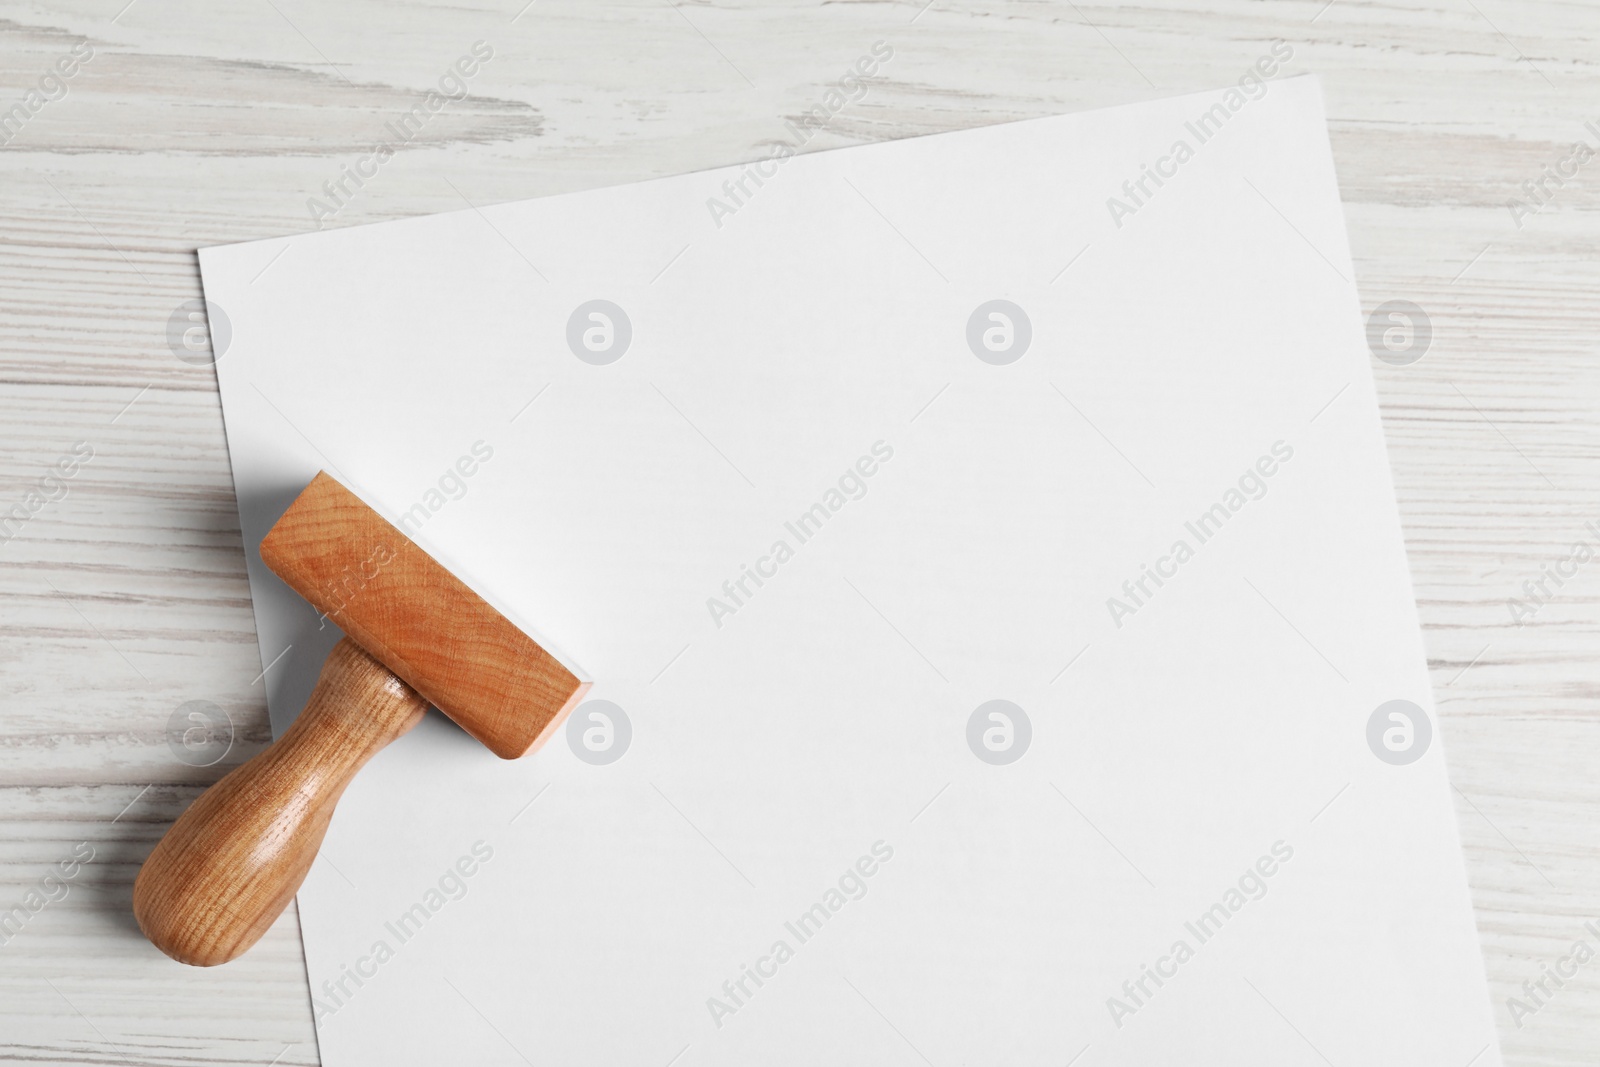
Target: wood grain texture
(419, 620)
(219, 879)
(198, 124)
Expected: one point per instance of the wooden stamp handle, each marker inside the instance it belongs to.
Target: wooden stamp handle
(228, 867)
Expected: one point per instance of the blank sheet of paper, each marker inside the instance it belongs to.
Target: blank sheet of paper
(986, 554)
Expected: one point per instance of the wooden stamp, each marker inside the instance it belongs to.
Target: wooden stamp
(414, 635)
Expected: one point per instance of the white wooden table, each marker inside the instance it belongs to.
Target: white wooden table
(195, 124)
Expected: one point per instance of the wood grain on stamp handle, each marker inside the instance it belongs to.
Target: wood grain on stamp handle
(231, 863)
(414, 634)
